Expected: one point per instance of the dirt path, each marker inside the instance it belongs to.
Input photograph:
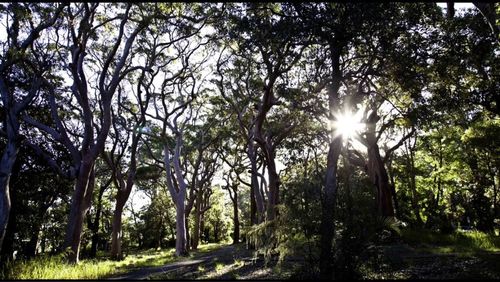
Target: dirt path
(226, 254)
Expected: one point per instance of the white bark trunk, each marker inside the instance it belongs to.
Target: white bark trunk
(177, 196)
(8, 160)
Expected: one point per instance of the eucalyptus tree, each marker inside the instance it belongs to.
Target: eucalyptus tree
(348, 38)
(126, 139)
(273, 44)
(237, 87)
(130, 119)
(334, 29)
(87, 27)
(38, 188)
(232, 184)
(201, 163)
(465, 65)
(489, 12)
(232, 155)
(203, 139)
(172, 110)
(463, 86)
(25, 61)
(104, 180)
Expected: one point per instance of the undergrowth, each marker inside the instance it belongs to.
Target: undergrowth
(56, 267)
(471, 241)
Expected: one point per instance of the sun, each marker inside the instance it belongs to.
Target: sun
(348, 124)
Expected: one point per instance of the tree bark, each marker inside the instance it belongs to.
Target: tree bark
(178, 196)
(392, 185)
(6, 165)
(380, 180)
(450, 9)
(124, 189)
(413, 185)
(327, 226)
(255, 192)
(95, 225)
(80, 203)
(376, 170)
(180, 226)
(197, 218)
(274, 183)
(7, 252)
(236, 220)
(116, 235)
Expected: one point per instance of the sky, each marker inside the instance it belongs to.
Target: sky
(458, 5)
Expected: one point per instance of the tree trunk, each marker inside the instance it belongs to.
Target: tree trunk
(450, 9)
(376, 170)
(392, 185)
(196, 230)
(189, 239)
(116, 235)
(253, 203)
(203, 236)
(495, 194)
(7, 252)
(197, 218)
(380, 179)
(79, 205)
(259, 201)
(273, 186)
(413, 187)
(95, 225)
(216, 232)
(180, 226)
(6, 165)
(32, 247)
(236, 220)
(327, 227)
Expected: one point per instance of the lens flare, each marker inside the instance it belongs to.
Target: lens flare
(348, 124)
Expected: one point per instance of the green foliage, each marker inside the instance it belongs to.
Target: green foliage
(461, 242)
(148, 172)
(439, 74)
(218, 219)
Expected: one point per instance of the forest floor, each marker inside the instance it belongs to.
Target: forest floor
(228, 262)
(424, 261)
(395, 260)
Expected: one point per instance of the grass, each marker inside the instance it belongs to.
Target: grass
(55, 267)
(219, 267)
(224, 270)
(457, 242)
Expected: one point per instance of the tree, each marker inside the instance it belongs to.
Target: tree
(95, 224)
(279, 46)
(115, 66)
(21, 75)
(204, 169)
(238, 91)
(232, 184)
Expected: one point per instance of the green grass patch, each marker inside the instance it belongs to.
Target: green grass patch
(55, 267)
(458, 242)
